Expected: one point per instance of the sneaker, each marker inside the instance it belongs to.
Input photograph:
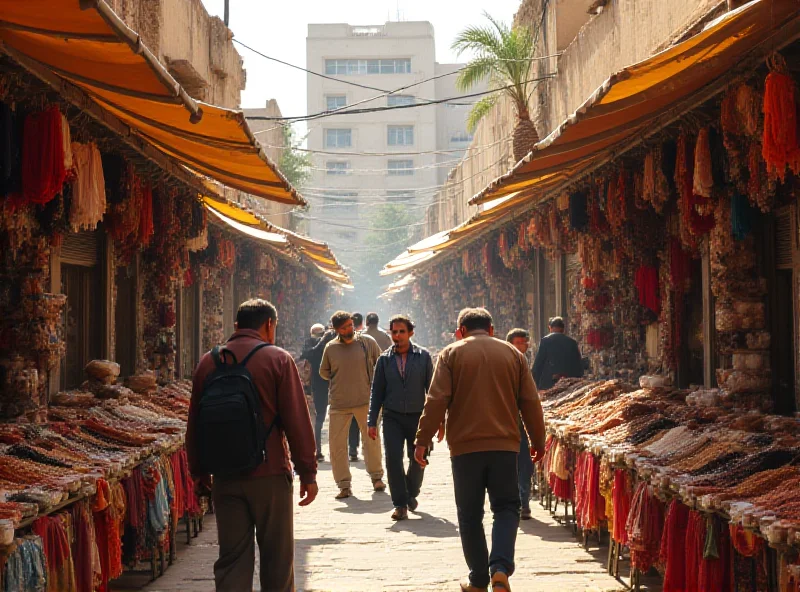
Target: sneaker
(400, 514)
(344, 493)
(413, 504)
(467, 587)
(500, 582)
(526, 514)
(320, 457)
(378, 485)
(353, 458)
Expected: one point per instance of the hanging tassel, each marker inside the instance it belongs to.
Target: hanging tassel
(779, 147)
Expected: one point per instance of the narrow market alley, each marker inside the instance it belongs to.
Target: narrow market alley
(354, 546)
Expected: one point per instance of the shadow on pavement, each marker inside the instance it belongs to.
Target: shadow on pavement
(427, 526)
(378, 503)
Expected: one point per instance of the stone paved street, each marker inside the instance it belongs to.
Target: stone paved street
(353, 546)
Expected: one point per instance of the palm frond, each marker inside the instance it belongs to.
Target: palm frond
(480, 109)
(477, 70)
(481, 40)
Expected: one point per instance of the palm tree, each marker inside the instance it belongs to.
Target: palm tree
(504, 58)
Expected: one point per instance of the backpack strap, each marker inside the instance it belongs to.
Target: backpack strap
(218, 355)
(254, 350)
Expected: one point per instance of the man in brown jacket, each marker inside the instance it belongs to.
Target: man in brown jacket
(483, 385)
(261, 501)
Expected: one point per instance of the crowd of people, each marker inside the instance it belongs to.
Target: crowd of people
(481, 394)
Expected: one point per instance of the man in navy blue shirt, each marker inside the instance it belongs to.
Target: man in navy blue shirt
(401, 381)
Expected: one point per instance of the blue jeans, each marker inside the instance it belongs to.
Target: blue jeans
(321, 408)
(473, 475)
(399, 431)
(525, 469)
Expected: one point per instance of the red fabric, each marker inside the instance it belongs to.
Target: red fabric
(82, 547)
(672, 554)
(43, 172)
(646, 281)
(716, 573)
(780, 142)
(645, 527)
(146, 216)
(621, 499)
(680, 268)
(55, 543)
(694, 543)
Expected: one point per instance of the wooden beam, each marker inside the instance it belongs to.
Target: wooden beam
(78, 98)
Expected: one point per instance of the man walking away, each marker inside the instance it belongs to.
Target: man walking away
(355, 435)
(558, 357)
(260, 501)
(483, 385)
(378, 334)
(521, 339)
(349, 363)
(319, 386)
(402, 378)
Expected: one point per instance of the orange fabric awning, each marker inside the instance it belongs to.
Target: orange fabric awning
(97, 52)
(642, 98)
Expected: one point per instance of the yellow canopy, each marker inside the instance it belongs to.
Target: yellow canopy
(641, 99)
(246, 222)
(87, 44)
(429, 247)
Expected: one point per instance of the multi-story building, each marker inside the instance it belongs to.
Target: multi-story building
(390, 156)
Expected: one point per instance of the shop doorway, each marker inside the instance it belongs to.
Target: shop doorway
(188, 329)
(691, 354)
(782, 259)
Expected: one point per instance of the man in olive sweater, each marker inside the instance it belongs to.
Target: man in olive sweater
(483, 385)
(348, 363)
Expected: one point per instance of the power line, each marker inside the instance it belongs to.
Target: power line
(365, 110)
(418, 153)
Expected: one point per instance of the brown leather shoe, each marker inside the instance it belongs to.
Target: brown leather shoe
(344, 493)
(500, 582)
(378, 485)
(400, 514)
(467, 587)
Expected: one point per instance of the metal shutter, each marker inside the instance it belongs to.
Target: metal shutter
(80, 248)
(785, 238)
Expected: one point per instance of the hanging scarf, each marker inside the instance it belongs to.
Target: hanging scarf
(56, 542)
(646, 281)
(780, 147)
(89, 191)
(25, 569)
(43, 172)
(672, 554)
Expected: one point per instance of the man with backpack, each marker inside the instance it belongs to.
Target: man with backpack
(348, 362)
(247, 401)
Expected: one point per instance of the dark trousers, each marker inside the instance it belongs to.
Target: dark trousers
(399, 431)
(354, 438)
(525, 469)
(321, 409)
(473, 475)
(262, 505)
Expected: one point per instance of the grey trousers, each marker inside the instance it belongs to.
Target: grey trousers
(260, 506)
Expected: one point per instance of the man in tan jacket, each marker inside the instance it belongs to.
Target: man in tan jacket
(483, 385)
(348, 362)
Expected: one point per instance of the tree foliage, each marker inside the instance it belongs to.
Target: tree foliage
(295, 164)
(504, 58)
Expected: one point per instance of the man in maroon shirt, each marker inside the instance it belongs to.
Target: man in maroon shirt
(261, 501)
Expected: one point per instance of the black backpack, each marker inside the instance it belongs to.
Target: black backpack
(231, 434)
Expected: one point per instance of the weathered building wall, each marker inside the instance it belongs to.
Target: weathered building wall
(196, 48)
(625, 32)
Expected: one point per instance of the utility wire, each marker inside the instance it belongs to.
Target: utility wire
(345, 111)
(418, 153)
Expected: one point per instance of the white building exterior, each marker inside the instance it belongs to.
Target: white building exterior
(386, 156)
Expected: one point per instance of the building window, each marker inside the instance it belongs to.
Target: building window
(333, 102)
(460, 138)
(338, 138)
(399, 195)
(337, 167)
(403, 167)
(401, 135)
(359, 67)
(398, 100)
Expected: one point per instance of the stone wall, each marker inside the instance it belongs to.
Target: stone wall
(196, 48)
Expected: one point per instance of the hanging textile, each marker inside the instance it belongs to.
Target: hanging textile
(671, 554)
(108, 510)
(25, 569)
(742, 214)
(89, 192)
(86, 557)
(54, 532)
(703, 182)
(43, 172)
(716, 563)
(146, 227)
(780, 147)
(644, 527)
(11, 134)
(621, 494)
(646, 281)
(578, 211)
